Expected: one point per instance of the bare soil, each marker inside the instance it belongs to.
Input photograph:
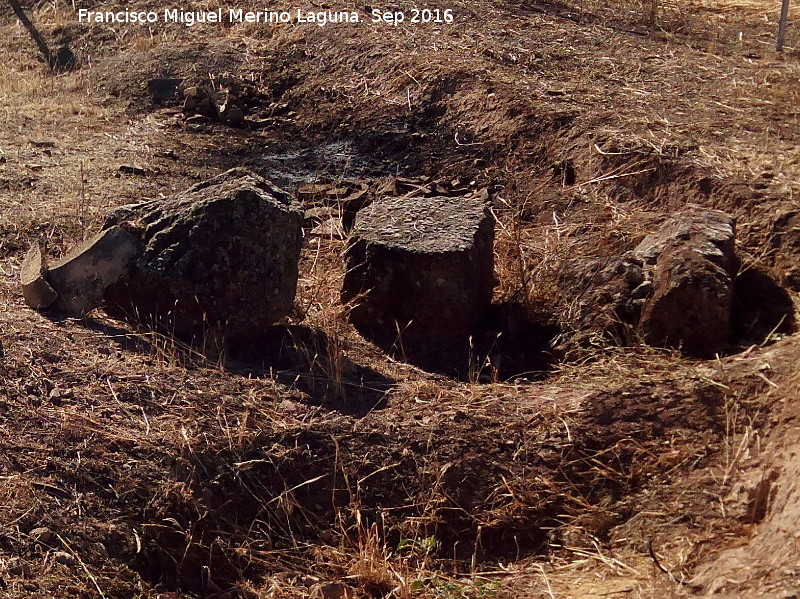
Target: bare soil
(318, 465)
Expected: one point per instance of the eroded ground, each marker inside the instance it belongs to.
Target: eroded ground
(625, 472)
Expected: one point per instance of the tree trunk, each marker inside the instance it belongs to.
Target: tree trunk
(37, 37)
(782, 26)
(652, 16)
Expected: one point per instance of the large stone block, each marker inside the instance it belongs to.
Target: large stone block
(675, 289)
(692, 263)
(691, 304)
(420, 270)
(220, 258)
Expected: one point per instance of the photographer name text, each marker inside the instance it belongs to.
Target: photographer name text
(297, 16)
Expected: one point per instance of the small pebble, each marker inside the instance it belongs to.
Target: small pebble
(42, 535)
(64, 558)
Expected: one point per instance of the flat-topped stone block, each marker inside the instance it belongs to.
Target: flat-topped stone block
(420, 271)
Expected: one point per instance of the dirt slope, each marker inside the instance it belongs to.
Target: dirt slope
(629, 472)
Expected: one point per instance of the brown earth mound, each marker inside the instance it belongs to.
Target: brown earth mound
(319, 466)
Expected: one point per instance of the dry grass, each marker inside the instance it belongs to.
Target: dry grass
(161, 470)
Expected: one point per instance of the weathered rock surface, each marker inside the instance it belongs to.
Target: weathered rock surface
(319, 214)
(75, 283)
(220, 259)
(711, 234)
(43, 535)
(224, 104)
(37, 292)
(607, 295)
(81, 277)
(691, 304)
(202, 101)
(675, 289)
(694, 263)
(419, 270)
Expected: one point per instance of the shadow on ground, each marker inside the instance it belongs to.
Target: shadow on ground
(297, 356)
(314, 362)
(511, 342)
